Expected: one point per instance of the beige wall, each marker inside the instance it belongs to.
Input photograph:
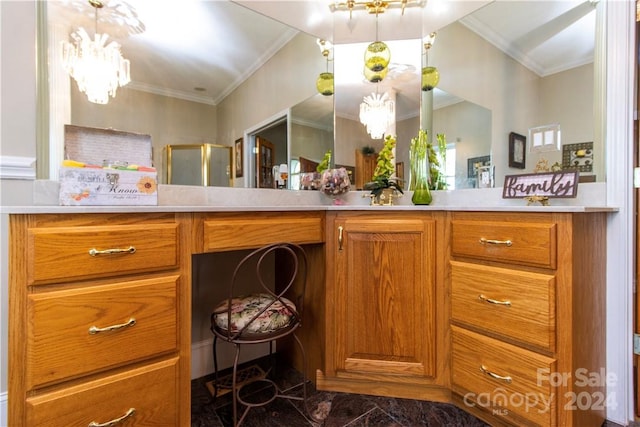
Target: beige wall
(310, 142)
(287, 79)
(468, 126)
(475, 70)
(564, 100)
(168, 120)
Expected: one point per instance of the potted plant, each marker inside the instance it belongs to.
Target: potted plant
(382, 186)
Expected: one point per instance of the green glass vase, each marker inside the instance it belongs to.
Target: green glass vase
(419, 169)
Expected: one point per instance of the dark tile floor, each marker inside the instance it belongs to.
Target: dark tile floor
(330, 409)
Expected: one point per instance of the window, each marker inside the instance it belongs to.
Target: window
(450, 167)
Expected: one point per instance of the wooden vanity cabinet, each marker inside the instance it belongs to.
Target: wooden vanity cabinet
(528, 317)
(100, 319)
(386, 320)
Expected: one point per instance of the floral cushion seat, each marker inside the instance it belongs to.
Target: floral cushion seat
(244, 308)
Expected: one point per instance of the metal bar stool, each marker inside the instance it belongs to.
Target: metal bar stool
(271, 313)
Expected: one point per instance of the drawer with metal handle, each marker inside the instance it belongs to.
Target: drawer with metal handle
(74, 253)
(506, 380)
(142, 396)
(75, 332)
(525, 243)
(514, 304)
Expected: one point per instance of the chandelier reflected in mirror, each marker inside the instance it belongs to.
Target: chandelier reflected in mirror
(97, 67)
(377, 113)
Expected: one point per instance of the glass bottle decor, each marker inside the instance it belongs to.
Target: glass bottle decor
(420, 170)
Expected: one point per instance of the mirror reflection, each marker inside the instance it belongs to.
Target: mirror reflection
(536, 73)
(504, 84)
(311, 135)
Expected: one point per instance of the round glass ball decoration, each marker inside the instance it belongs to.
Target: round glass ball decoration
(375, 76)
(430, 78)
(377, 56)
(324, 84)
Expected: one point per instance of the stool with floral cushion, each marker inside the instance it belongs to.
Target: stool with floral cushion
(272, 312)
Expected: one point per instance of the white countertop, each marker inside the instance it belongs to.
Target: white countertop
(174, 198)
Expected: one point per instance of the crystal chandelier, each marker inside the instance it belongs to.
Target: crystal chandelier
(97, 67)
(377, 113)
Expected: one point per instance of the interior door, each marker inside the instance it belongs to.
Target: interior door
(264, 162)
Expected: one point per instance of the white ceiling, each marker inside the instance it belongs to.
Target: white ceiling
(202, 50)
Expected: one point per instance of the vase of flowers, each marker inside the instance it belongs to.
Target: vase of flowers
(383, 186)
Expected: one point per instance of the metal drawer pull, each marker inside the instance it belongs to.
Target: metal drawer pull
(484, 241)
(484, 370)
(129, 250)
(130, 413)
(340, 238)
(94, 329)
(494, 301)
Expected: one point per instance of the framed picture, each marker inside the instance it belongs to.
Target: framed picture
(578, 156)
(517, 150)
(474, 163)
(239, 156)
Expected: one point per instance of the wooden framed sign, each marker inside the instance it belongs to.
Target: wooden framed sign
(562, 184)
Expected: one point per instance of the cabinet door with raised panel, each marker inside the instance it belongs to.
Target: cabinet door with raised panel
(383, 296)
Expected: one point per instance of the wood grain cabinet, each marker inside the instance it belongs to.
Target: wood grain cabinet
(528, 317)
(385, 316)
(98, 314)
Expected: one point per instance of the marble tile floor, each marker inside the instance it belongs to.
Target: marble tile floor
(329, 408)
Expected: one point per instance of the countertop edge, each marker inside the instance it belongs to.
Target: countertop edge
(41, 197)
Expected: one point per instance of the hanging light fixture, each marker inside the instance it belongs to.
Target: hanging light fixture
(430, 75)
(374, 6)
(376, 59)
(377, 113)
(98, 68)
(324, 83)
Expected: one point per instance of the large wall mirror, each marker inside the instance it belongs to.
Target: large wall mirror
(506, 67)
(486, 89)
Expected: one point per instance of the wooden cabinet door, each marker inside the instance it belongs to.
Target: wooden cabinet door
(264, 163)
(365, 165)
(383, 296)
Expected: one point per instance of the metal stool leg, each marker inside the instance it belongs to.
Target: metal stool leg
(215, 366)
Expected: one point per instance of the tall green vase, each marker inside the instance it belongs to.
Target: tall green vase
(420, 171)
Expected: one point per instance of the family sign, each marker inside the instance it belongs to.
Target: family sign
(552, 185)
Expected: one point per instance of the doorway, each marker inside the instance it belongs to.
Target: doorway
(269, 146)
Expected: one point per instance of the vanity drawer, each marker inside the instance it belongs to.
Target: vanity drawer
(60, 343)
(150, 392)
(502, 378)
(243, 232)
(67, 253)
(516, 304)
(503, 241)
